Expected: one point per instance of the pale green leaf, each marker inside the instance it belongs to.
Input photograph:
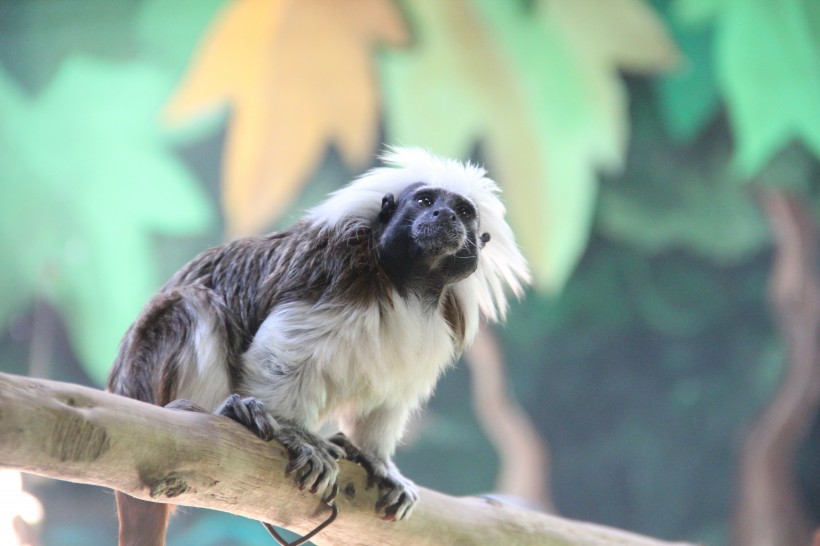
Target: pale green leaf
(688, 95)
(767, 59)
(696, 12)
(539, 92)
(89, 182)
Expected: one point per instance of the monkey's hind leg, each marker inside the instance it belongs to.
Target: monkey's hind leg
(177, 348)
(312, 459)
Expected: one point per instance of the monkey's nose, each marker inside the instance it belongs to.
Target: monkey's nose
(445, 213)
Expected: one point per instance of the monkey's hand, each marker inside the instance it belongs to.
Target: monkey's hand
(312, 459)
(397, 495)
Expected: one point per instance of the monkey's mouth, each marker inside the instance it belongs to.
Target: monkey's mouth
(439, 237)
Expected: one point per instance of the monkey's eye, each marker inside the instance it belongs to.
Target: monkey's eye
(424, 200)
(465, 211)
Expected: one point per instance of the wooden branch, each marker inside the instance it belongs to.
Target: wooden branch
(83, 435)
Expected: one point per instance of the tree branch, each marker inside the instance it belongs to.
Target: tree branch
(769, 511)
(83, 435)
(523, 453)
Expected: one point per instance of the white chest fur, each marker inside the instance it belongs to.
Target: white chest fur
(306, 362)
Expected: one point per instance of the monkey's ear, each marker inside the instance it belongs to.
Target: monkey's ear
(388, 207)
(485, 238)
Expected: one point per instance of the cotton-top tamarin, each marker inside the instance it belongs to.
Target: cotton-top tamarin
(352, 313)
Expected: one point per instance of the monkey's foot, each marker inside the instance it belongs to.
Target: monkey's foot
(397, 495)
(312, 459)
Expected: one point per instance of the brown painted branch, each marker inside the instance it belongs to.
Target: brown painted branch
(769, 511)
(83, 435)
(524, 454)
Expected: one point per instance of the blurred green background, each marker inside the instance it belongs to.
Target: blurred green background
(635, 142)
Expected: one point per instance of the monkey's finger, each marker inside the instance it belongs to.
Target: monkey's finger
(322, 479)
(328, 471)
(406, 508)
(241, 411)
(227, 408)
(372, 480)
(336, 451)
(334, 491)
(351, 452)
(339, 439)
(264, 425)
(326, 482)
(401, 511)
(394, 509)
(249, 412)
(299, 456)
(308, 475)
(389, 513)
(316, 478)
(390, 498)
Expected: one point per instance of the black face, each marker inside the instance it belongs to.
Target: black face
(427, 238)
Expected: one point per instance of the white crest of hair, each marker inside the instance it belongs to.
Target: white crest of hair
(501, 266)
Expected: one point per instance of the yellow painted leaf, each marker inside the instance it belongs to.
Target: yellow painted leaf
(298, 75)
(231, 58)
(604, 38)
(626, 34)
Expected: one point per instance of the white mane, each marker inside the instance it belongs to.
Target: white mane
(501, 267)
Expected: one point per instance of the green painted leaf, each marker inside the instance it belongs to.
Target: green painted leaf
(87, 182)
(688, 95)
(36, 35)
(771, 82)
(696, 12)
(539, 91)
(767, 57)
(436, 57)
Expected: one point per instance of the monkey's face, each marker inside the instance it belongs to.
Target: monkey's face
(428, 235)
(441, 221)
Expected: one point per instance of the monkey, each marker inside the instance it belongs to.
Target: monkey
(351, 314)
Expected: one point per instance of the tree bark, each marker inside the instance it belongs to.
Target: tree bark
(769, 511)
(83, 435)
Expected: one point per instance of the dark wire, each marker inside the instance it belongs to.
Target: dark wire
(334, 511)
